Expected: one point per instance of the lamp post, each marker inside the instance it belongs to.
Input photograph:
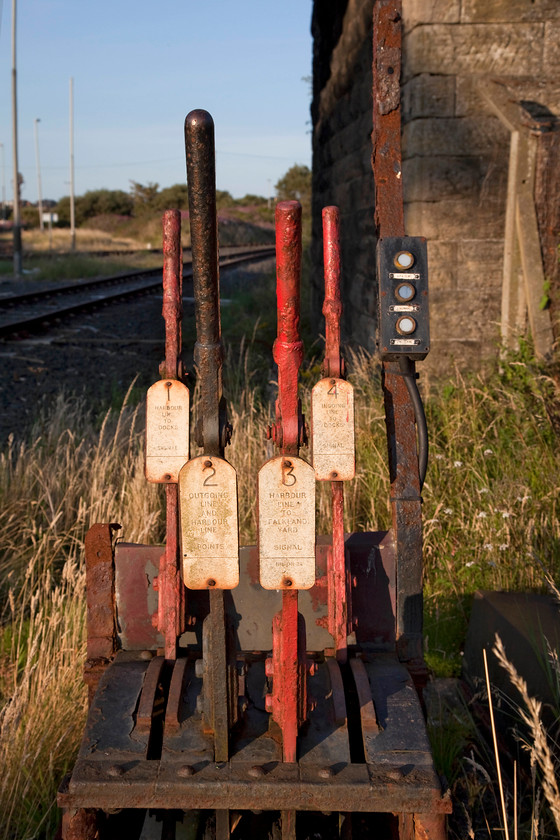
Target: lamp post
(72, 210)
(40, 197)
(3, 184)
(16, 217)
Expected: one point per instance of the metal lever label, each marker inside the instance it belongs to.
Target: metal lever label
(167, 430)
(286, 493)
(332, 430)
(208, 524)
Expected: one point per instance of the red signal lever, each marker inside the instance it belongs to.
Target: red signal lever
(288, 702)
(333, 367)
(171, 603)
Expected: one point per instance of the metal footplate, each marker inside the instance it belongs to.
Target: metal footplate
(115, 770)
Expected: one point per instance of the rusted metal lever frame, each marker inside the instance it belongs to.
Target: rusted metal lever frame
(401, 431)
(171, 603)
(333, 366)
(208, 357)
(289, 699)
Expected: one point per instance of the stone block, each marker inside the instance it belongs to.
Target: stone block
(442, 265)
(481, 259)
(347, 168)
(447, 354)
(467, 315)
(508, 11)
(455, 219)
(428, 96)
(430, 11)
(494, 49)
(452, 136)
(551, 60)
(436, 178)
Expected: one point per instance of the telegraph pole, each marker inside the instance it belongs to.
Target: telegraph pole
(40, 197)
(16, 216)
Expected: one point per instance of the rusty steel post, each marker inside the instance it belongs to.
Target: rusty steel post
(333, 367)
(171, 604)
(289, 703)
(401, 429)
(208, 354)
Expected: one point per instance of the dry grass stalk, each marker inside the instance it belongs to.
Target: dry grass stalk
(495, 742)
(531, 717)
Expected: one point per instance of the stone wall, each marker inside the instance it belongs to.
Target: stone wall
(455, 153)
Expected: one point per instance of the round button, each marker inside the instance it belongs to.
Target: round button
(404, 260)
(406, 325)
(405, 292)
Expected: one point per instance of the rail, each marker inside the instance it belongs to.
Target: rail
(33, 311)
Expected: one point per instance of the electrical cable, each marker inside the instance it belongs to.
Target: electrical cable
(419, 416)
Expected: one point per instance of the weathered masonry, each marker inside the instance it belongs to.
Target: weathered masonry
(481, 94)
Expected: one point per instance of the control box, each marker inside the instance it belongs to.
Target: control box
(402, 272)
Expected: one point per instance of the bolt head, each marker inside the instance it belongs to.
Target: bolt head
(185, 771)
(268, 702)
(256, 772)
(199, 668)
(269, 667)
(147, 654)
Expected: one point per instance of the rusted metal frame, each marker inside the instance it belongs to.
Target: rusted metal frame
(80, 824)
(100, 590)
(333, 367)
(289, 700)
(401, 430)
(208, 356)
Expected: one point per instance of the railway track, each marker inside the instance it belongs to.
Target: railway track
(21, 315)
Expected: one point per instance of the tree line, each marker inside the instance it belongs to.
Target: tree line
(146, 199)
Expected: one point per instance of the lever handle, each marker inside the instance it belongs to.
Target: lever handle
(332, 306)
(208, 352)
(172, 310)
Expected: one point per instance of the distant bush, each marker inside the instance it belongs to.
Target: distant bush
(95, 203)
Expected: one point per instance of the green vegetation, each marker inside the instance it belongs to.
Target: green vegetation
(490, 520)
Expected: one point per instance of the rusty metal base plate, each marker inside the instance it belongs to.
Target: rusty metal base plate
(125, 762)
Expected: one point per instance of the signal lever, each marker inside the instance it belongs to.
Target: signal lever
(332, 435)
(208, 483)
(286, 494)
(167, 434)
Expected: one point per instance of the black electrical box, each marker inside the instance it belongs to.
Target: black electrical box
(402, 272)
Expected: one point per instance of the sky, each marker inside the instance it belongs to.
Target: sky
(138, 68)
